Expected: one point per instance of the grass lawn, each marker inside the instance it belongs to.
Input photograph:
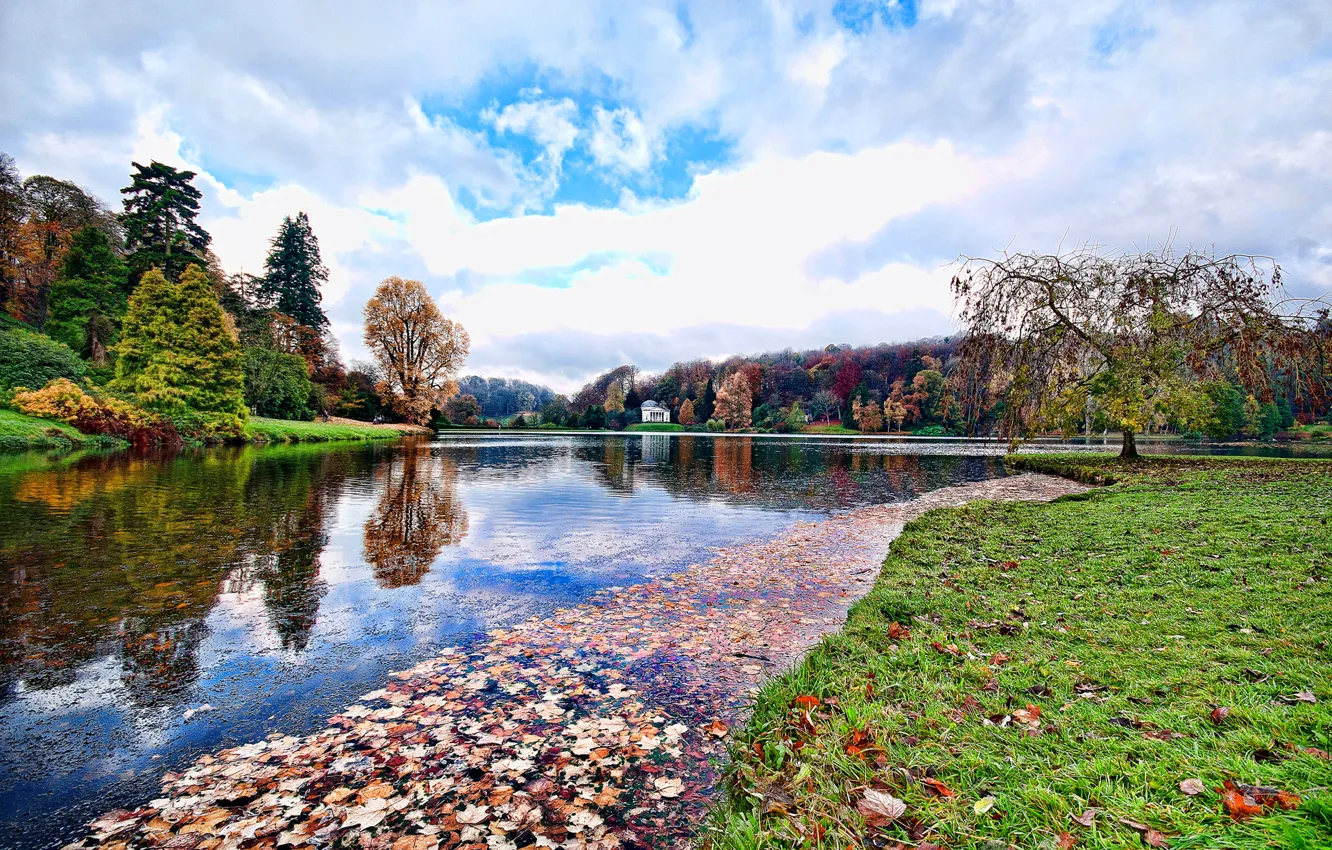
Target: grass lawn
(1086, 655)
(27, 433)
(828, 428)
(290, 431)
(655, 426)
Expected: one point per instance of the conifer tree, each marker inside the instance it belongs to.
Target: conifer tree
(175, 352)
(88, 297)
(160, 231)
(295, 273)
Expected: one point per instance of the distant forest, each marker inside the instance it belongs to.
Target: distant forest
(505, 396)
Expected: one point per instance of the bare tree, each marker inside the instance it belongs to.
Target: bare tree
(1132, 334)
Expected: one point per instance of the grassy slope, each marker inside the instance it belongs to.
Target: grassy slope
(655, 426)
(28, 433)
(289, 431)
(1184, 587)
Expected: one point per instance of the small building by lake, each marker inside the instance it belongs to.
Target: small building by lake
(653, 412)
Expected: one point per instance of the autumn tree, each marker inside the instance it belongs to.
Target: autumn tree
(686, 414)
(735, 401)
(418, 514)
(294, 274)
(176, 353)
(418, 350)
(868, 415)
(161, 204)
(614, 399)
(13, 212)
(88, 297)
(1129, 334)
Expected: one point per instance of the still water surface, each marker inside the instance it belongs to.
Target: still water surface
(154, 608)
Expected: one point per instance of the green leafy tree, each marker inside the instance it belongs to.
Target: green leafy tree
(1227, 413)
(295, 273)
(13, 212)
(277, 384)
(161, 204)
(88, 297)
(31, 360)
(176, 353)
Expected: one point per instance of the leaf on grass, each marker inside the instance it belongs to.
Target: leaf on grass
(1300, 696)
(983, 805)
(1066, 841)
(1317, 753)
(897, 631)
(807, 702)
(1085, 819)
(880, 807)
(935, 787)
(1219, 714)
(1152, 838)
(1239, 806)
(1192, 787)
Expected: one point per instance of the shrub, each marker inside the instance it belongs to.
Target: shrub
(716, 425)
(94, 412)
(30, 360)
(277, 385)
(208, 426)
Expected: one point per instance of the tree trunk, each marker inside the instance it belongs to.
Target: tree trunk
(1130, 449)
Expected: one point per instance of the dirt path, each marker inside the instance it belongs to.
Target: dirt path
(602, 726)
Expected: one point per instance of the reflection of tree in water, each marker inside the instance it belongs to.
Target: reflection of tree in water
(418, 514)
(733, 463)
(128, 555)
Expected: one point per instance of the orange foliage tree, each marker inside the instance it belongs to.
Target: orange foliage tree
(418, 350)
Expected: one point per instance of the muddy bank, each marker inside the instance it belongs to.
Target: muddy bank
(603, 725)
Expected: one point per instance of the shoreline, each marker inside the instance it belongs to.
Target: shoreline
(604, 724)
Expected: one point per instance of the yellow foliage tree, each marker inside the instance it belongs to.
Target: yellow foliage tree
(735, 401)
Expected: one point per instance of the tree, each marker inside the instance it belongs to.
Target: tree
(795, 417)
(735, 401)
(13, 213)
(1132, 333)
(822, 405)
(614, 399)
(88, 298)
(294, 274)
(686, 414)
(418, 350)
(868, 416)
(707, 402)
(277, 384)
(54, 210)
(460, 408)
(161, 204)
(1253, 425)
(176, 353)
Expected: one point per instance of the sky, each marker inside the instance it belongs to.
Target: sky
(585, 184)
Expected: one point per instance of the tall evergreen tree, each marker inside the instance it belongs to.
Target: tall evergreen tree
(295, 273)
(13, 212)
(175, 353)
(160, 231)
(88, 296)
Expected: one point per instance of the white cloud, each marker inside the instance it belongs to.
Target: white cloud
(620, 139)
(553, 124)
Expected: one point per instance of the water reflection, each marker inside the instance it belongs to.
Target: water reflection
(417, 515)
(277, 584)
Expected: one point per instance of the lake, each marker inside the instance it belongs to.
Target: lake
(158, 607)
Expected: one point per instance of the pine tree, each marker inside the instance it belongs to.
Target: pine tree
(707, 404)
(160, 230)
(686, 414)
(175, 352)
(88, 296)
(295, 273)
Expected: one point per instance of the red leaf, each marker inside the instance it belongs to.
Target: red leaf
(1219, 713)
(807, 702)
(1066, 841)
(936, 787)
(897, 631)
(1239, 806)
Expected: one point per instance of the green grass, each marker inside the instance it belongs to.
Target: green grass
(1188, 585)
(20, 433)
(655, 426)
(828, 428)
(291, 431)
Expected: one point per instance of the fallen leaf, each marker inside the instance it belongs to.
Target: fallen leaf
(1317, 753)
(1152, 838)
(807, 702)
(897, 631)
(717, 729)
(1239, 806)
(879, 807)
(1219, 714)
(1192, 787)
(1300, 696)
(1085, 819)
(935, 787)
(472, 814)
(983, 805)
(1066, 841)
(668, 787)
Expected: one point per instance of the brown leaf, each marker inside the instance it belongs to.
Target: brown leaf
(1317, 753)
(717, 729)
(1066, 841)
(935, 787)
(1152, 838)
(879, 807)
(1085, 819)
(1192, 787)
(897, 631)
(1239, 806)
(1300, 696)
(1219, 714)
